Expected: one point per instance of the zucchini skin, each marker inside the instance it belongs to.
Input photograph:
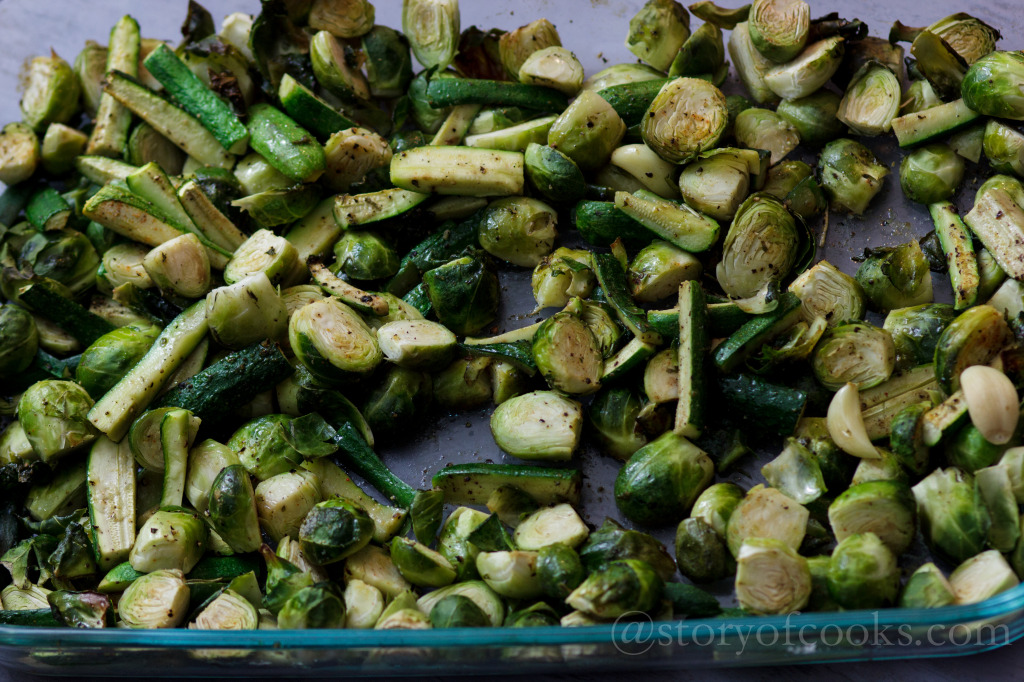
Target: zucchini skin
(288, 147)
(473, 483)
(768, 407)
(613, 282)
(74, 318)
(40, 618)
(357, 455)
(600, 223)
(444, 92)
(631, 100)
(217, 390)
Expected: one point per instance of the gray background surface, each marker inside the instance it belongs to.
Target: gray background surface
(594, 30)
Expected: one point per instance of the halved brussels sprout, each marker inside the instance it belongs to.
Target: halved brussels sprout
(767, 513)
(613, 414)
(915, 331)
(364, 604)
(779, 28)
(1004, 148)
(416, 344)
(863, 573)
(717, 184)
(982, 577)
(896, 277)
(559, 570)
(232, 509)
(611, 542)
(19, 340)
(587, 131)
(111, 356)
(246, 312)
(796, 473)
(809, 71)
(771, 577)
(122, 263)
(872, 100)
(918, 97)
(567, 354)
(511, 574)
(761, 245)
(432, 27)
(931, 173)
(751, 65)
(658, 268)
(348, 19)
(687, 117)
(332, 341)
(657, 32)
(264, 448)
(331, 66)
(562, 275)
(701, 553)
(463, 294)
(263, 252)
(858, 352)
(553, 67)
(813, 116)
(398, 403)
(465, 384)
(764, 129)
(50, 92)
(701, 56)
(623, 586)
(282, 502)
(716, 504)
(172, 538)
(317, 606)
(54, 416)
(516, 46)
(519, 230)
(333, 530)
(927, 588)
(619, 74)
(351, 154)
(553, 174)
(20, 153)
(954, 521)
(364, 255)
(229, 611)
(155, 600)
(541, 425)
(885, 508)
(661, 480)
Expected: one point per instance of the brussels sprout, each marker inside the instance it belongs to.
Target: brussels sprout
(661, 377)
(971, 38)
(811, 70)
(559, 570)
(562, 275)
(373, 566)
(863, 573)
(982, 577)
(587, 131)
(857, 352)
(246, 312)
(364, 604)
(19, 340)
(205, 461)
(701, 553)
(885, 467)
(333, 71)
(232, 509)
(181, 266)
(687, 117)
(282, 502)
(314, 607)
(751, 65)
(813, 116)
(896, 277)
(351, 154)
(50, 92)
(657, 32)
(553, 174)
(771, 577)
(332, 341)
(885, 508)
(992, 85)
(918, 97)
(516, 46)
(398, 403)
(661, 480)
(19, 153)
(611, 542)
(954, 521)
(263, 446)
(65, 256)
(621, 587)
(54, 415)
(155, 600)
(717, 184)
(254, 175)
(915, 331)
(122, 263)
(416, 344)
(766, 513)
(975, 337)
(716, 504)
(349, 19)
(613, 414)
(263, 252)
(558, 524)
(540, 425)
(602, 321)
(553, 67)
(701, 56)
(432, 27)
(872, 100)
(421, 565)
(796, 473)
(779, 28)
(81, 609)
(511, 574)
(968, 449)
(229, 611)
(658, 268)
(650, 170)
(458, 611)
(850, 175)
(537, 615)
(463, 294)
(996, 491)
(761, 245)
(334, 530)
(1004, 148)
(567, 355)
(931, 173)
(927, 588)
(402, 619)
(464, 384)
(388, 61)
(512, 505)
(519, 230)
(363, 255)
(453, 541)
(25, 599)
(291, 551)
(483, 596)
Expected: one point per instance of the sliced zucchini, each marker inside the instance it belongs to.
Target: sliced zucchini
(473, 483)
(675, 223)
(101, 170)
(998, 222)
(459, 170)
(692, 350)
(957, 244)
(111, 498)
(174, 441)
(119, 210)
(937, 121)
(355, 297)
(360, 209)
(112, 118)
(756, 332)
(287, 146)
(515, 138)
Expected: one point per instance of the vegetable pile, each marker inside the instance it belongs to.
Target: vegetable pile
(234, 268)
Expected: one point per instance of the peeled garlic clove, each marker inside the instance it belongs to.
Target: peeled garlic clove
(846, 424)
(992, 402)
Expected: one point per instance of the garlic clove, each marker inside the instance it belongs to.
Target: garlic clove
(846, 424)
(992, 402)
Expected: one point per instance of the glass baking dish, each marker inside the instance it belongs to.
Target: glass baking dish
(595, 29)
(689, 644)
